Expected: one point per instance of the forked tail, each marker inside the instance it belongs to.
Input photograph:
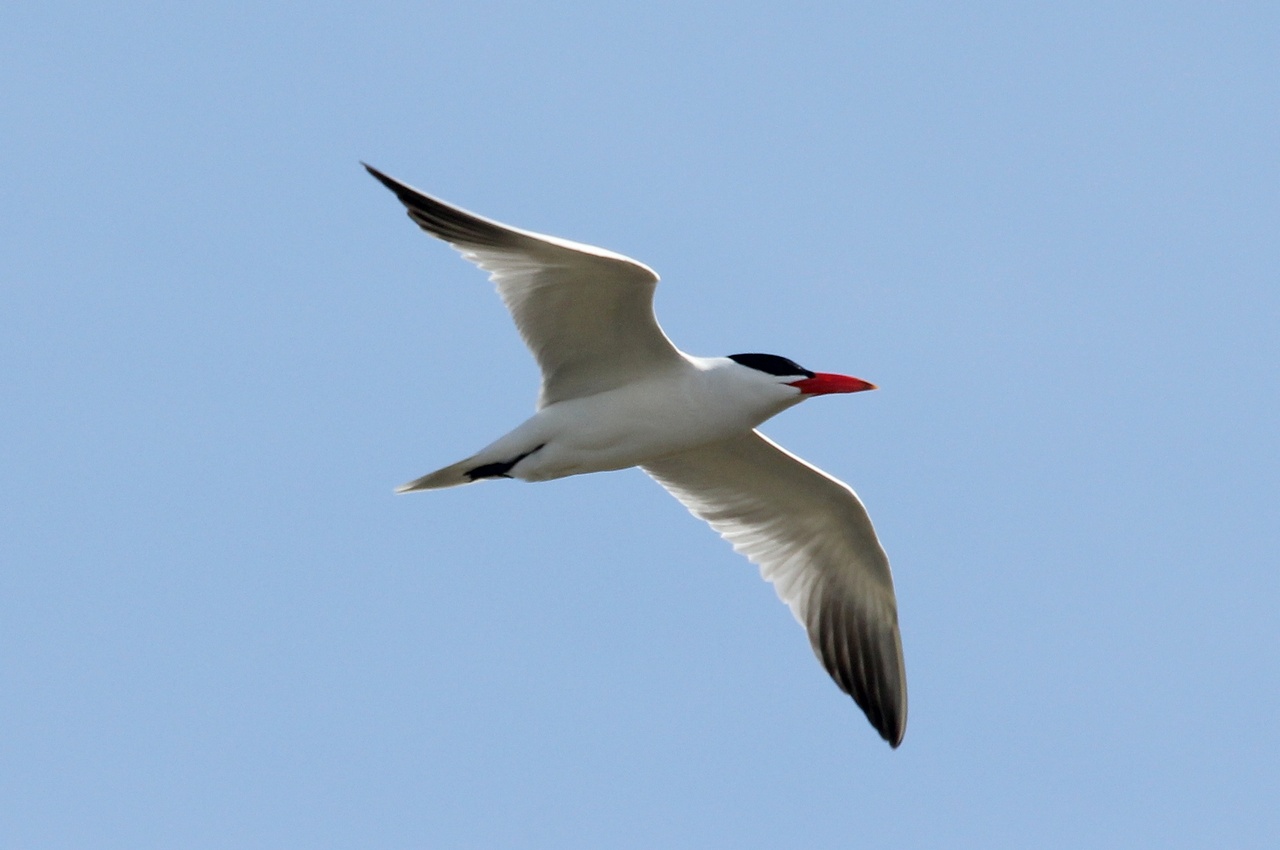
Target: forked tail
(465, 472)
(451, 476)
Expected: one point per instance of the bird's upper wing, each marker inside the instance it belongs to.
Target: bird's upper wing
(811, 537)
(586, 313)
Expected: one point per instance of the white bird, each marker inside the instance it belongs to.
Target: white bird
(617, 393)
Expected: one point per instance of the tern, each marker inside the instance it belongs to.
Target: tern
(617, 393)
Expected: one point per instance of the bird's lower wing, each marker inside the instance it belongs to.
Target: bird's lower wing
(585, 313)
(811, 538)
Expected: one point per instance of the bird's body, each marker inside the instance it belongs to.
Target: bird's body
(617, 393)
(700, 401)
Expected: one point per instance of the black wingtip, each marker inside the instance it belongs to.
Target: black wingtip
(890, 722)
(445, 221)
(890, 727)
(390, 182)
(409, 196)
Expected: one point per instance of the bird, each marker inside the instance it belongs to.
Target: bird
(617, 393)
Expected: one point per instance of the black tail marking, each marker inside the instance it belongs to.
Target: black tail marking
(499, 469)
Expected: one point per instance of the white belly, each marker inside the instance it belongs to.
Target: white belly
(627, 427)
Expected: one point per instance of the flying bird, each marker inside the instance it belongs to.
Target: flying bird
(617, 393)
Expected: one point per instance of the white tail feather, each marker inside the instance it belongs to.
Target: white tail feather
(454, 475)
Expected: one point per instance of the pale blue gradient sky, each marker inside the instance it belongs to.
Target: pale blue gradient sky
(1049, 232)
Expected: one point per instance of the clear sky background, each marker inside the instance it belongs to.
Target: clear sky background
(1047, 231)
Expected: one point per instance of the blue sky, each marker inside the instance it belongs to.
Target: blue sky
(1048, 232)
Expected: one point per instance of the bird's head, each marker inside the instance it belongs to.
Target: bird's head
(789, 373)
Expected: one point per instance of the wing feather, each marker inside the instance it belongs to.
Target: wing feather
(811, 538)
(586, 313)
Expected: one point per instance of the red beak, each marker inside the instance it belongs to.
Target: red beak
(823, 383)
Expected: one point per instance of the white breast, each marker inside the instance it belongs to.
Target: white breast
(672, 412)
